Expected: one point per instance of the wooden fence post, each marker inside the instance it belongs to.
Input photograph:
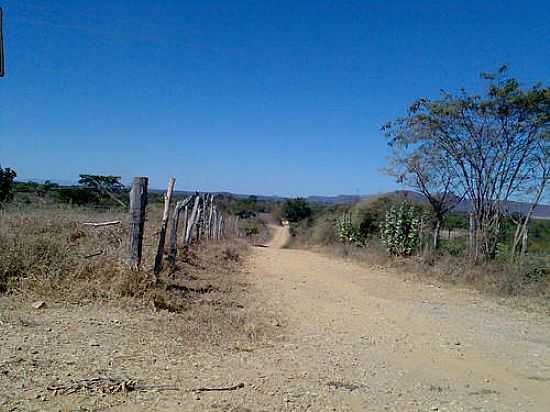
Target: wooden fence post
(215, 223)
(138, 202)
(220, 228)
(162, 235)
(192, 218)
(210, 211)
(198, 224)
(184, 223)
(173, 233)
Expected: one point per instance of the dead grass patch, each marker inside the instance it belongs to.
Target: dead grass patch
(47, 254)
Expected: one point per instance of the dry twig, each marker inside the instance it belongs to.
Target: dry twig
(112, 385)
(101, 224)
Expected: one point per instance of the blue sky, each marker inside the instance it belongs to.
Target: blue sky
(267, 97)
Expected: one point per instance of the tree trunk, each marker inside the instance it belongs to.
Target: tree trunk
(521, 230)
(524, 240)
(473, 239)
(436, 232)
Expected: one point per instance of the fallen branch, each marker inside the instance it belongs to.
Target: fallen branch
(111, 385)
(228, 388)
(93, 255)
(115, 222)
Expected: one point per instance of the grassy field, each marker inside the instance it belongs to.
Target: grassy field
(47, 254)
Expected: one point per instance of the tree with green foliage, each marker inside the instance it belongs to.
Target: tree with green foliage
(492, 147)
(295, 210)
(427, 170)
(109, 186)
(7, 177)
(246, 208)
(101, 183)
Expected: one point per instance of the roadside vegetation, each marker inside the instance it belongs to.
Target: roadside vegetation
(364, 238)
(482, 151)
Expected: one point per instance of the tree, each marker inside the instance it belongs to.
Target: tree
(495, 145)
(246, 208)
(535, 188)
(295, 210)
(7, 177)
(103, 185)
(427, 169)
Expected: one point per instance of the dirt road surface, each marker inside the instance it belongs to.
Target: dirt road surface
(347, 338)
(363, 340)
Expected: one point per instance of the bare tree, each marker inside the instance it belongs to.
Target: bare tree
(428, 170)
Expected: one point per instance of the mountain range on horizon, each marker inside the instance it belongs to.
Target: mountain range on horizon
(542, 211)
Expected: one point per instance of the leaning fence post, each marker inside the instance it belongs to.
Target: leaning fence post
(184, 220)
(192, 218)
(138, 202)
(162, 235)
(173, 235)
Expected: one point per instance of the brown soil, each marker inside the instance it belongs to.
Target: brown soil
(343, 337)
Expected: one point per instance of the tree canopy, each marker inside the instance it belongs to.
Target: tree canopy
(490, 148)
(295, 210)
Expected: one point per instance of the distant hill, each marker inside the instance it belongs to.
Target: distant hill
(541, 211)
(332, 200)
(347, 199)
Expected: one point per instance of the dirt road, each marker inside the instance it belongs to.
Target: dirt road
(359, 339)
(342, 338)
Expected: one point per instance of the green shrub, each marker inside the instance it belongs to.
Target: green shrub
(400, 230)
(251, 229)
(296, 210)
(452, 247)
(348, 232)
(7, 177)
(76, 195)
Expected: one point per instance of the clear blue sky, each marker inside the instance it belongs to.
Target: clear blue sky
(267, 97)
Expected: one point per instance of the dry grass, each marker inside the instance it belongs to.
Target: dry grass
(103, 320)
(47, 254)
